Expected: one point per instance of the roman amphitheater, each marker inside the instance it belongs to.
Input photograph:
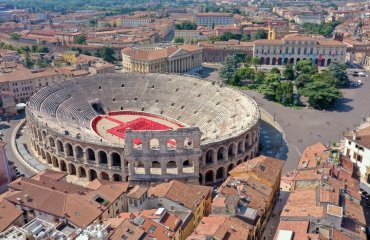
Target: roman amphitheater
(143, 128)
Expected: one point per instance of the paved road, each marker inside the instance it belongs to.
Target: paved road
(7, 129)
(304, 127)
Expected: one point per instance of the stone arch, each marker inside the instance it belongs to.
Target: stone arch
(328, 62)
(51, 142)
(139, 163)
(267, 61)
(172, 167)
(82, 172)
(39, 135)
(55, 162)
(156, 168)
(246, 158)
(43, 155)
(69, 149)
(38, 149)
(187, 163)
(117, 178)
(239, 162)
(247, 142)
(92, 175)
(200, 178)
(322, 62)
(154, 144)
(316, 61)
(298, 59)
(231, 151)
(262, 60)
(209, 156)
(240, 147)
(286, 60)
(188, 143)
(220, 173)
(48, 158)
(229, 168)
(72, 169)
(221, 155)
(209, 176)
(44, 138)
(90, 154)
(79, 152)
(171, 144)
(280, 61)
(291, 61)
(273, 62)
(104, 176)
(116, 159)
(103, 159)
(252, 154)
(60, 146)
(63, 166)
(156, 164)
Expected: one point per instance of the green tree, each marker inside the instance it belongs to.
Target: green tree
(289, 72)
(243, 74)
(28, 63)
(321, 95)
(307, 67)
(186, 25)
(246, 37)
(259, 34)
(275, 70)
(302, 80)
(178, 40)
(326, 77)
(41, 63)
(24, 49)
(338, 71)
(107, 53)
(15, 36)
(255, 62)
(80, 39)
(229, 67)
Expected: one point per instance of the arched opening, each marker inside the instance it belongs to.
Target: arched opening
(72, 169)
(220, 173)
(280, 61)
(328, 62)
(63, 166)
(188, 143)
(82, 172)
(48, 158)
(43, 154)
(209, 177)
(298, 59)
(200, 179)
(51, 142)
(116, 159)
(247, 141)
(291, 61)
(273, 61)
(39, 135)
(103, 157)
(209, 157)
(38, 149)
(69, 149)
(262, 60)
(92, 175)
(156, 168)
(246, 158)
(55, 162)
(267, 61)
(221, 154)
(188, 166)
(90, 154)
(286, 61)
(60, 147)
(187, 163)
(154, 144)
(240, 147)
(156, 164)
(137, 144)
(171, 144)
(322, 62)
(117, 178)
(316, 61)
(368, 179)
(79, 152)
(105, 176)
(252, 155)
(239, 162)
(229, 168)
(231, 151)
(171, 167)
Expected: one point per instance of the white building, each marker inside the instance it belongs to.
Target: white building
(357, 148)
(295, 47)
(189, 35)
(209, 19)
(135, 22)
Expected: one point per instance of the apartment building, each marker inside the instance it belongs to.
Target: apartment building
(213, 19)
(293, 48)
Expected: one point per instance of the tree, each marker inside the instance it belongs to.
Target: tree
(41, 63)
(306, 66)
(338, 71)
(15, 36)
(230, 65)
(80, 39)
(275, 70)
(24, 49)
(259, 34)
(302, 80)
(289, 72)
(178, 40)
(107, 53)
(243, 74)
(326, 77)
(255, 62)
(246, 37)
(321, 95)
(28, 63)
(186, 25)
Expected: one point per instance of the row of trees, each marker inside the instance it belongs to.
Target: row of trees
(25, 49)
(321, 88)
(106, 53)
(186, 25)
(325, 29)
(245, 37)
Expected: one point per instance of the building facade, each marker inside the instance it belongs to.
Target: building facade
(173, 59)
(212, 19)
(293, 48)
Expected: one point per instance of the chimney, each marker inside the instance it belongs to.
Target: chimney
(354, 136)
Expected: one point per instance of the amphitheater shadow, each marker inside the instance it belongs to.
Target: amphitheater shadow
(206, 72)
(272, 141)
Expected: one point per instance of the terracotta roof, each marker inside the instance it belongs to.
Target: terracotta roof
(137, 192)
(127, 230)
(300, 229)
(311, 155)
(55, 175)
(264, 167)
(362, 137)
(8, 214)
(214, 14)
(188, 194)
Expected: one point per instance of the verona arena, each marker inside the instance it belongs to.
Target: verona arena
(143, 128)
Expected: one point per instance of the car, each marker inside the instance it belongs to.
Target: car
(355, 74)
